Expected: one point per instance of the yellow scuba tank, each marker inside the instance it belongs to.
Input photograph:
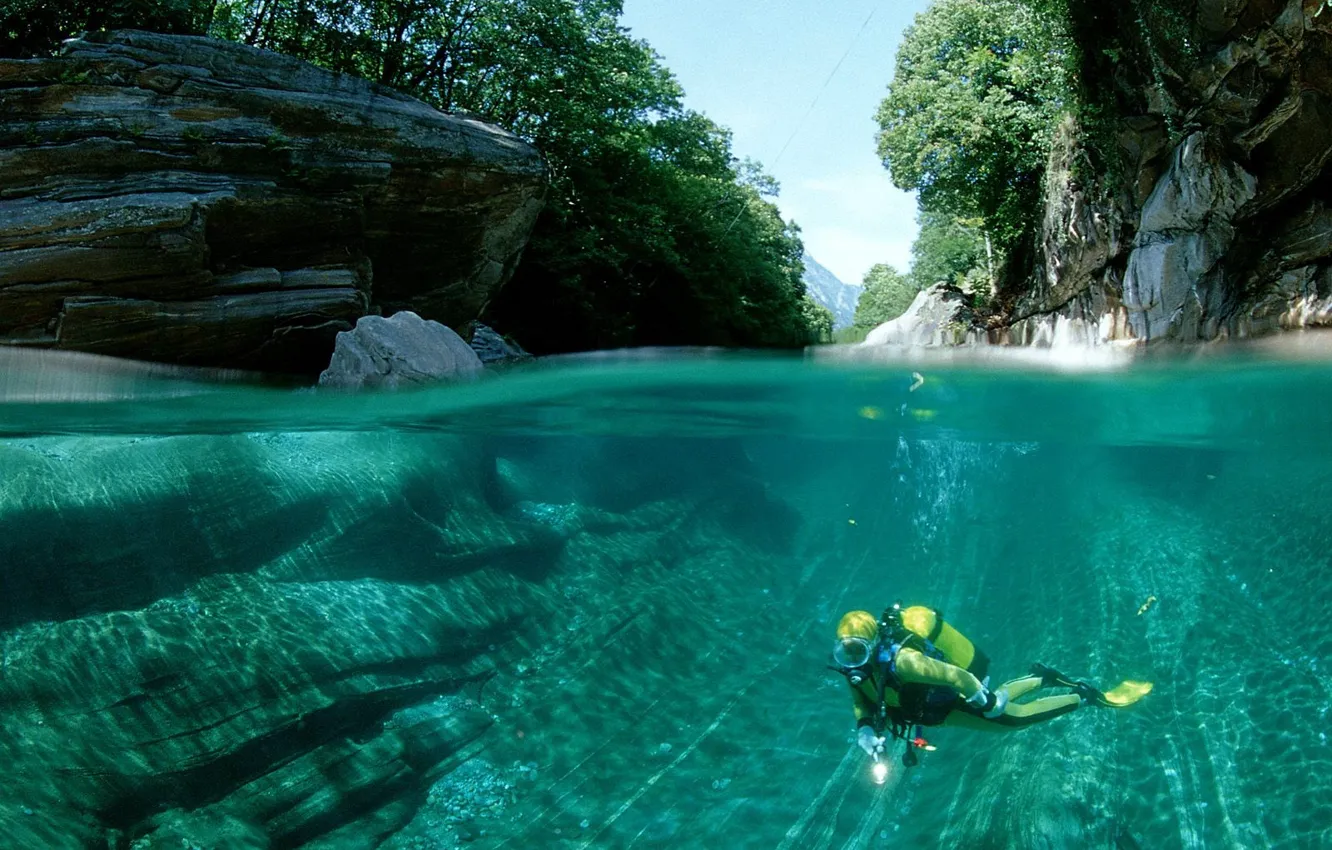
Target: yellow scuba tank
(957, 650)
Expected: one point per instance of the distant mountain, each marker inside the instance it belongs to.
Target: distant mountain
(824, 287)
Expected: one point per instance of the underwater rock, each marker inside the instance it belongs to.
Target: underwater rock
(280, 640)
(286, 675)
(176, 829)
(566, 520)
(195, 201)
(298, 506)
(264, 702)
(399, 351)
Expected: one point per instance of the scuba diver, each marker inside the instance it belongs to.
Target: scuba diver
(909, 668)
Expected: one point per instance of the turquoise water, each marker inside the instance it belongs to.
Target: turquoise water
(591, 605)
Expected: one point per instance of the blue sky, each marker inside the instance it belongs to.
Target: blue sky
(755, 66)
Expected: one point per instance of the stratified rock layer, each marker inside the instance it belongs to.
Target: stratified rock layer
(195, 201)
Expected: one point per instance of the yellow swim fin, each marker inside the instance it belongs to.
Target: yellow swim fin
(1126, 693)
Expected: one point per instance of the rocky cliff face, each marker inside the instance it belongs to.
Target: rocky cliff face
(1212, 219)
(188, 200)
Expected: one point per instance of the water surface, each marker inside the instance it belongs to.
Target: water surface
(591, 604)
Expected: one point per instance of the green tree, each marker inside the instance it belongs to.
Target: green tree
(819, 319)
(947, 249)
(886, 296)
(31, 28)
(672, 251)
(971, 110)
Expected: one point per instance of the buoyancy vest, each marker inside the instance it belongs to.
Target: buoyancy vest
(929, 624)
(925, 631)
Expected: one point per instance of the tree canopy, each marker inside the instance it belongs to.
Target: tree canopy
(971, 109)
(653, 232)
(886, 296)
(31, 28)
(947, 249)
(820, 320)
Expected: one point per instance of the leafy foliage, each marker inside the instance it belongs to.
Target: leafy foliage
(1125, 57)
(653, 233)
(887, 294)
(850, 335)
(947, 249)
(31, 28)
(819, 319)
(978, 87)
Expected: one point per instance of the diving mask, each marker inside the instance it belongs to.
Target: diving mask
(852, 655)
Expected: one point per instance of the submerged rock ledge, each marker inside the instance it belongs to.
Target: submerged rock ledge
(277, 640)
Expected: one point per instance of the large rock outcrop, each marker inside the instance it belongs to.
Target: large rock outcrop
(939, 315)
(194, 201)
(1211, 218)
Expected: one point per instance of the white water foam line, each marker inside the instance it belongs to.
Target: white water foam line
(1074, 359)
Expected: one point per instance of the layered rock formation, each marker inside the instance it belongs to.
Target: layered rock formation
(194, 201)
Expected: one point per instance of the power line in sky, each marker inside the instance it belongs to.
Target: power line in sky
(800, 125)
(819, 94)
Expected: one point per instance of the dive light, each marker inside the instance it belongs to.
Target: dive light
(880, 770)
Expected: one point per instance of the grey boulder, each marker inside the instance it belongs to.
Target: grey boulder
(403, 350)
